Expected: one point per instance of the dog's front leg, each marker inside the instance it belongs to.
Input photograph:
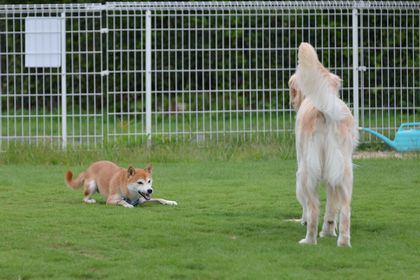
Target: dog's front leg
(116, 200)
(161, 201)
(331, 212)
(345, 213)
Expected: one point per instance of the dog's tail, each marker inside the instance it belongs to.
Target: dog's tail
(318, 84)
(74, 184)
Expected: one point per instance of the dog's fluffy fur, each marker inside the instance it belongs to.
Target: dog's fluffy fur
(326, 136)
(117, 185)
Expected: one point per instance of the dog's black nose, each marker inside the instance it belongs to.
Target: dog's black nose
(149, 191)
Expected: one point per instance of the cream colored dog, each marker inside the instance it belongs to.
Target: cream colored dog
(119, 186)
(326, 136)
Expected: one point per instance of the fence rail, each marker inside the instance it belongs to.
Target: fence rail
(195, 71)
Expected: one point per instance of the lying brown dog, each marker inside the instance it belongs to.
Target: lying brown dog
(119, 186)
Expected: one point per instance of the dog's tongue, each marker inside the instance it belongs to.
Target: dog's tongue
(145, 196)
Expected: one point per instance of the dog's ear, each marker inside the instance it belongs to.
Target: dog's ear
(131, 171)
(296, 96)
(149, 169)
(335, 82)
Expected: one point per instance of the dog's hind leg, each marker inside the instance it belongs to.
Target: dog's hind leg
(89, 189)
(301, 197)
(331, 212)
(311, 208)
(345, 193)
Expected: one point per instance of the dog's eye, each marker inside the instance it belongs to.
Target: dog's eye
(140, 183)
(149, 181)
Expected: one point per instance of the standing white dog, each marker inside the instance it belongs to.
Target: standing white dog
(326, 136)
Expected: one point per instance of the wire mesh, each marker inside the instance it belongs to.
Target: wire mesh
(219, 69)
(30, 102)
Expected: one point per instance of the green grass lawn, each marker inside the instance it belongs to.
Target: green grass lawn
(230, 223)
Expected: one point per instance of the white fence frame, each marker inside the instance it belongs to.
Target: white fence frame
(196, 71)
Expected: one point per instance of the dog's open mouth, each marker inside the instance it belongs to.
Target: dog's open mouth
(144, 195)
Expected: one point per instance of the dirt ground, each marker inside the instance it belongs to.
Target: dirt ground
(384, 154)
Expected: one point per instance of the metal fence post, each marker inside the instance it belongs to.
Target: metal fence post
(63, 82)
(355, 66)
(149, 78)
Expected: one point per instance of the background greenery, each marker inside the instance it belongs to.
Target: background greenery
(383, 53)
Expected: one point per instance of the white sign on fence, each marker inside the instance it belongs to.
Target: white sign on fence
(43, 42)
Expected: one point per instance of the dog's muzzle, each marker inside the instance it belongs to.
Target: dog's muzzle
(145, 195)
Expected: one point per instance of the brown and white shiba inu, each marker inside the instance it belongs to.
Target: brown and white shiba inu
(119, 186)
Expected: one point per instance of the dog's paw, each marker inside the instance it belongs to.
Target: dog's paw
(170, 202)
(128, 205)
(343, 242)
(323, 234)
(294, 220)
(307, 241)
(91, 200)
(328, 229)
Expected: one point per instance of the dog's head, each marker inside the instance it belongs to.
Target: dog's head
(140, 180)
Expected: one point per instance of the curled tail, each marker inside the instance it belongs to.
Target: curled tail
(74, 184)
(318, 84)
